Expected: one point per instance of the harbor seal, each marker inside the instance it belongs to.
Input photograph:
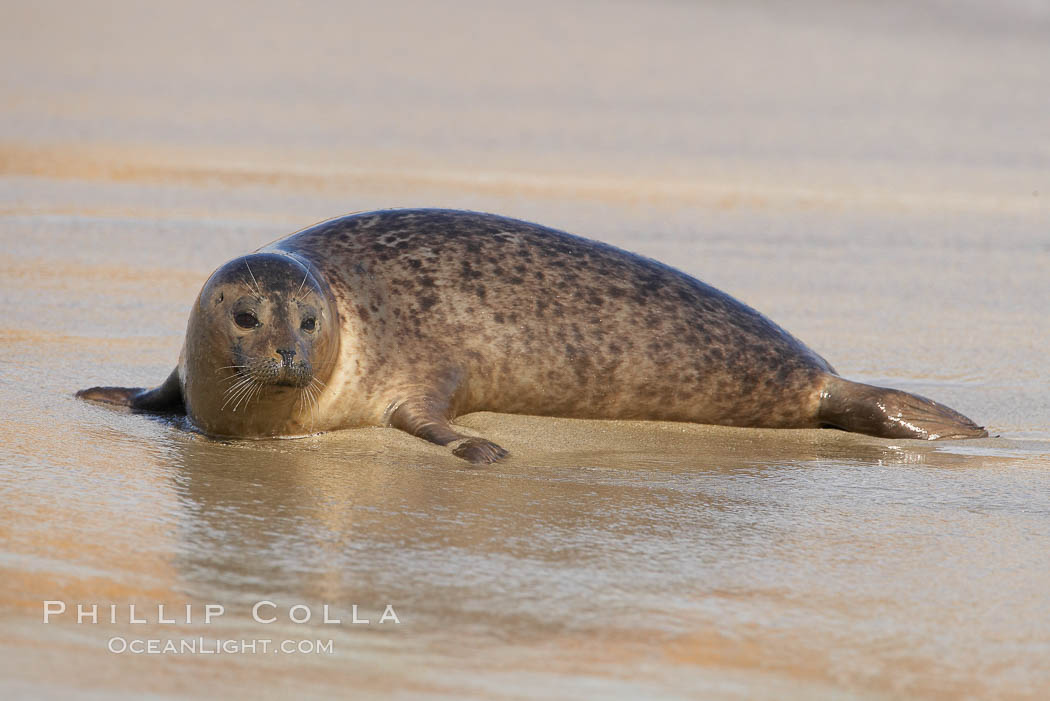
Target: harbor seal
(409, 318)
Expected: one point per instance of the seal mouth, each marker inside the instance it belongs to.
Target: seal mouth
(290, 382)
(286, 375)
(250, 383)
(251, 377)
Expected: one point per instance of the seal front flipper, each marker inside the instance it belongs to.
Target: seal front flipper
(427, 418)
(891, 413)
(165, 398)
(479, 451)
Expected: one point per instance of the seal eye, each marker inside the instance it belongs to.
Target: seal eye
(309, 324)
(246, 320)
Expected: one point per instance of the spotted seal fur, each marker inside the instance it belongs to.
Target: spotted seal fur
(409, 318)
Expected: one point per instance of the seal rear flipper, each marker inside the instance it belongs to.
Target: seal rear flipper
(165, 398)
(427, 419)
(891, 413)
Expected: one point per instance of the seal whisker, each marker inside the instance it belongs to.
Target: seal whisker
(240, 396)
(295, 297)
(256, 393)
(230, 377)
(237, 390)
(302, 402)
(233, 398)
(255, 386)
(244, 394)
(315, 414)
(242, 370)
(256, 282)
(307, 407)
(234, 389)
(244, 377)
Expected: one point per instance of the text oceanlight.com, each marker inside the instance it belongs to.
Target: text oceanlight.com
(206, 646)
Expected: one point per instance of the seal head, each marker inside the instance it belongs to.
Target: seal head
(265, 333)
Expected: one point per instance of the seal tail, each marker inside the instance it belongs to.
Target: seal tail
(890, 413)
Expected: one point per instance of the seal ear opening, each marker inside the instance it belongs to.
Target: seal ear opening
(891, 413)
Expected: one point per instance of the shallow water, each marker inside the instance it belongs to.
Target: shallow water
(889, 208)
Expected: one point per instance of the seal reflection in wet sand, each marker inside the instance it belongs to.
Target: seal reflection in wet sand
(409, 318)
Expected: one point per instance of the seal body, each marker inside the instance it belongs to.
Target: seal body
(417, 316)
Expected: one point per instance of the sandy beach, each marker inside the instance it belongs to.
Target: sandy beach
(875, 179)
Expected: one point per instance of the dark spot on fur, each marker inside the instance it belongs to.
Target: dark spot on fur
(468, 272)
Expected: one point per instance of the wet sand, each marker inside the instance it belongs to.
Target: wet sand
(874, 180)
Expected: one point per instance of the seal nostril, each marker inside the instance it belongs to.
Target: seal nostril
(287, 355)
